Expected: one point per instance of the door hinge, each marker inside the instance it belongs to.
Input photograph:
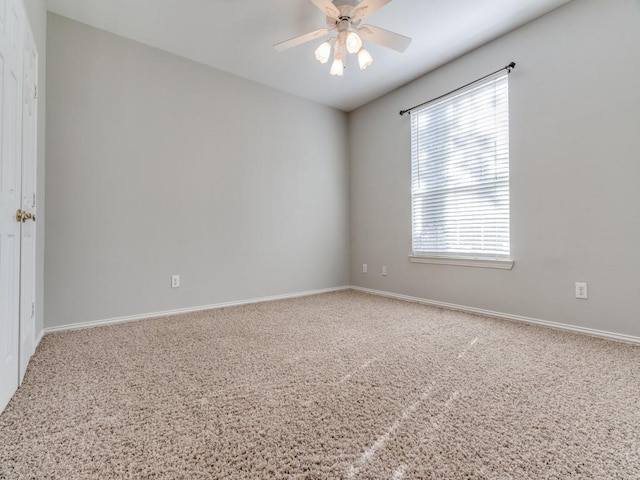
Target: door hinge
(35, 92)
(34, 201)
(33, 309)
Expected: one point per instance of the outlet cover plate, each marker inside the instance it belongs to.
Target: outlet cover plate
(581, 290)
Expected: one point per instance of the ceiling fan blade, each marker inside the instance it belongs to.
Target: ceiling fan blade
(367, 7)
(327, 7)
(385, 38)
(299, 40)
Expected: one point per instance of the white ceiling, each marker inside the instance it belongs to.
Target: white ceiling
(237, 36)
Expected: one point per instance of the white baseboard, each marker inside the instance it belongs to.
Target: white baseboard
(506, 316)
(178, 311)
(38, 340)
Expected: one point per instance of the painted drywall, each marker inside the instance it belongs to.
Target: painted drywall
(157, 165)
(575, 171)
(37, 14)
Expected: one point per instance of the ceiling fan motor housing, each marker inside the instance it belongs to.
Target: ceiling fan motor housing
(345, 19)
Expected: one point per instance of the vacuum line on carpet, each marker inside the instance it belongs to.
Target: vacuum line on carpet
(399, 472)
(473, 342)
(382, 440)
(355, 370)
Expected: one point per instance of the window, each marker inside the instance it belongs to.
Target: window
(460, 177)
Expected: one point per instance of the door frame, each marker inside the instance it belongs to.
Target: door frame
(29, 180)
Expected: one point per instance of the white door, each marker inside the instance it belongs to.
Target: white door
(11, 38)
(28, 243)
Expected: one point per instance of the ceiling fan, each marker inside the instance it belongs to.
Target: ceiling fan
(344, 17)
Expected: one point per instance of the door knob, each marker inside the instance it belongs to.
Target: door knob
(22, 216)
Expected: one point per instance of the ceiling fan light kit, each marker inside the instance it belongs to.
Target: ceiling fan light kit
(337, 68)
(343, 20)
(364, 59)
(354, 42)
(323, 52)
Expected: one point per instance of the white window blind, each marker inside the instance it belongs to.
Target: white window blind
(460, 173)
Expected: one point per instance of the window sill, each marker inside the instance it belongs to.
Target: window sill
(504, 264)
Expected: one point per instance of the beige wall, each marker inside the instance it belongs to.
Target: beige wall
(151, 171)
(157, 165)
(575, 174)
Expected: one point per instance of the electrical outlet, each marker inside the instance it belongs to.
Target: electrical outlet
(384, 270)
(581, 290)
(364, 268)
(175, 281)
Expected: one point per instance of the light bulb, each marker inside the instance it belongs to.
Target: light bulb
(337, 68)
(323, 52)
(354, 43)
(364, 59)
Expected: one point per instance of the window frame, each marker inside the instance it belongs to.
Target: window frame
(473, 259)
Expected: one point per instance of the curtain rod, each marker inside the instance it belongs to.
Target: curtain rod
(508, 68)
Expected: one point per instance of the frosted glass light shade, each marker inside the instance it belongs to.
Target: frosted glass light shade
(354, 42)
(337, 68)
(364, 59)
(323, 52)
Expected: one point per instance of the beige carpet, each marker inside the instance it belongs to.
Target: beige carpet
(343, 385)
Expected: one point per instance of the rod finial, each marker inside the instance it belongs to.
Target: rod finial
(511, 66)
